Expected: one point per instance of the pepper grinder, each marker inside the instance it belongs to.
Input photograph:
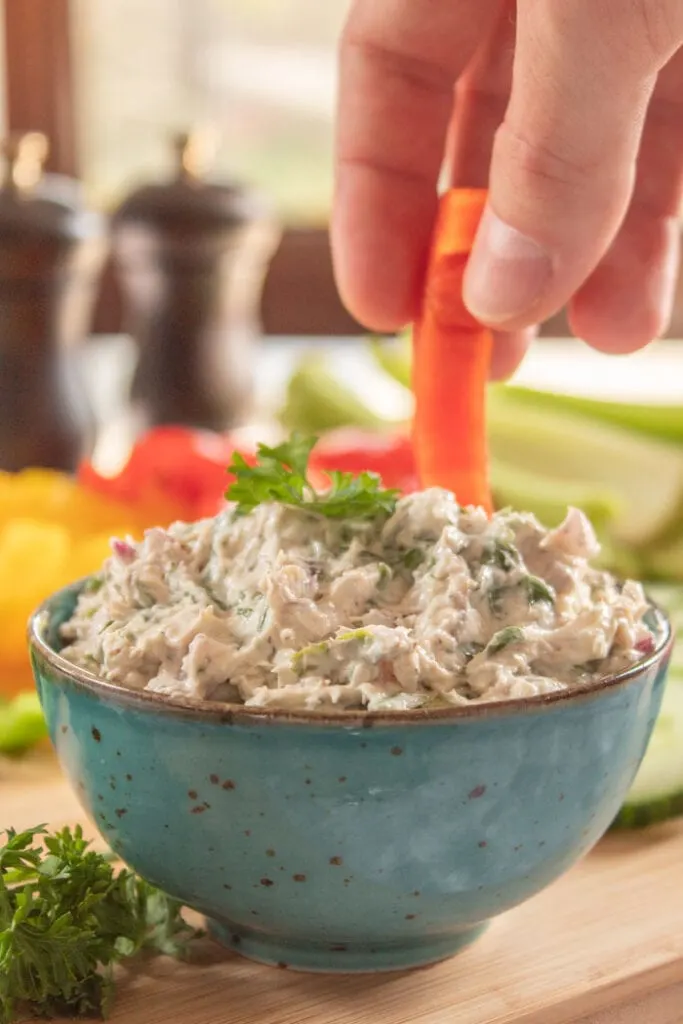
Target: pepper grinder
(191, 258)
(51, 254)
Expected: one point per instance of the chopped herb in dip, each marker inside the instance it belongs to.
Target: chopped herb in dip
(353, 598)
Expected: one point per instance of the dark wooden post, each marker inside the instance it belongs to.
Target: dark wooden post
(39, 71)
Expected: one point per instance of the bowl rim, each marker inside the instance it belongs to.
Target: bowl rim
(229, 713)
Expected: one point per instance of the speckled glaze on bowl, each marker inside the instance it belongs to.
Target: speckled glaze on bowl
(346, 842)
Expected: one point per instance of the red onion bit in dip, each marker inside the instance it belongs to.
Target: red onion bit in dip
(646, 645)
(123, 550)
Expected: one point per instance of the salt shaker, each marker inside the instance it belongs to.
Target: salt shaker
(51, 253)
(191, 258)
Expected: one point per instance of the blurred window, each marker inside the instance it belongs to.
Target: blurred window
(261, 71)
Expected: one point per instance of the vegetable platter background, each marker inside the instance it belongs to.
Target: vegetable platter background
(574, 427)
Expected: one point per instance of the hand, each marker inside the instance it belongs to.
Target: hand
(571, 111)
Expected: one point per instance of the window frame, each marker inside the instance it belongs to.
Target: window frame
(299, 296)
(39, 87)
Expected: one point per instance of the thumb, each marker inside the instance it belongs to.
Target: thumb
(564, 158)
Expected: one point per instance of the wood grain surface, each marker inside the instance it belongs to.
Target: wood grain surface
(604, 945)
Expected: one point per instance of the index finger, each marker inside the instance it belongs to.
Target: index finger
(399, 61)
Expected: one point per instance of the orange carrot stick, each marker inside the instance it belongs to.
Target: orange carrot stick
(451, 359)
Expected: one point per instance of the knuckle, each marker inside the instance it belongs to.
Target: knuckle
(541, 161)
(660, 23)
(394, 63)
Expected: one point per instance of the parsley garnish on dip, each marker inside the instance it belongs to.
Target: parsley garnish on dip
(355, 598)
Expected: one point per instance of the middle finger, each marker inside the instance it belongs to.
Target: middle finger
(481, 98)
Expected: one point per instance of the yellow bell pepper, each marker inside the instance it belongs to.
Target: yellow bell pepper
(53, 530)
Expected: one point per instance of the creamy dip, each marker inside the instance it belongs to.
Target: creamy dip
(436, 604)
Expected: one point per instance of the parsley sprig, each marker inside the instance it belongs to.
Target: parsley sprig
(66, 918)
(281, 475)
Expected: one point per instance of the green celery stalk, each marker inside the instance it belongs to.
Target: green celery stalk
(548, 499)
(664, 422)
(665, 560)
(316, 401)
(644, 473)
(394, 357)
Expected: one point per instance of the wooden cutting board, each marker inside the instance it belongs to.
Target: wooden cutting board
(604, 945)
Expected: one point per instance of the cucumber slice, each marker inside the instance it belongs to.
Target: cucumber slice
(22, 724)
(657, 793)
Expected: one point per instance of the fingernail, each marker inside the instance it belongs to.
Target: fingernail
(507, 273)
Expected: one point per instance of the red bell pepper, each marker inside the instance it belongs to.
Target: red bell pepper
(352, 451)
(188, 467)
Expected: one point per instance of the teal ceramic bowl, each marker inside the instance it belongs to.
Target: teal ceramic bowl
(346, 841)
